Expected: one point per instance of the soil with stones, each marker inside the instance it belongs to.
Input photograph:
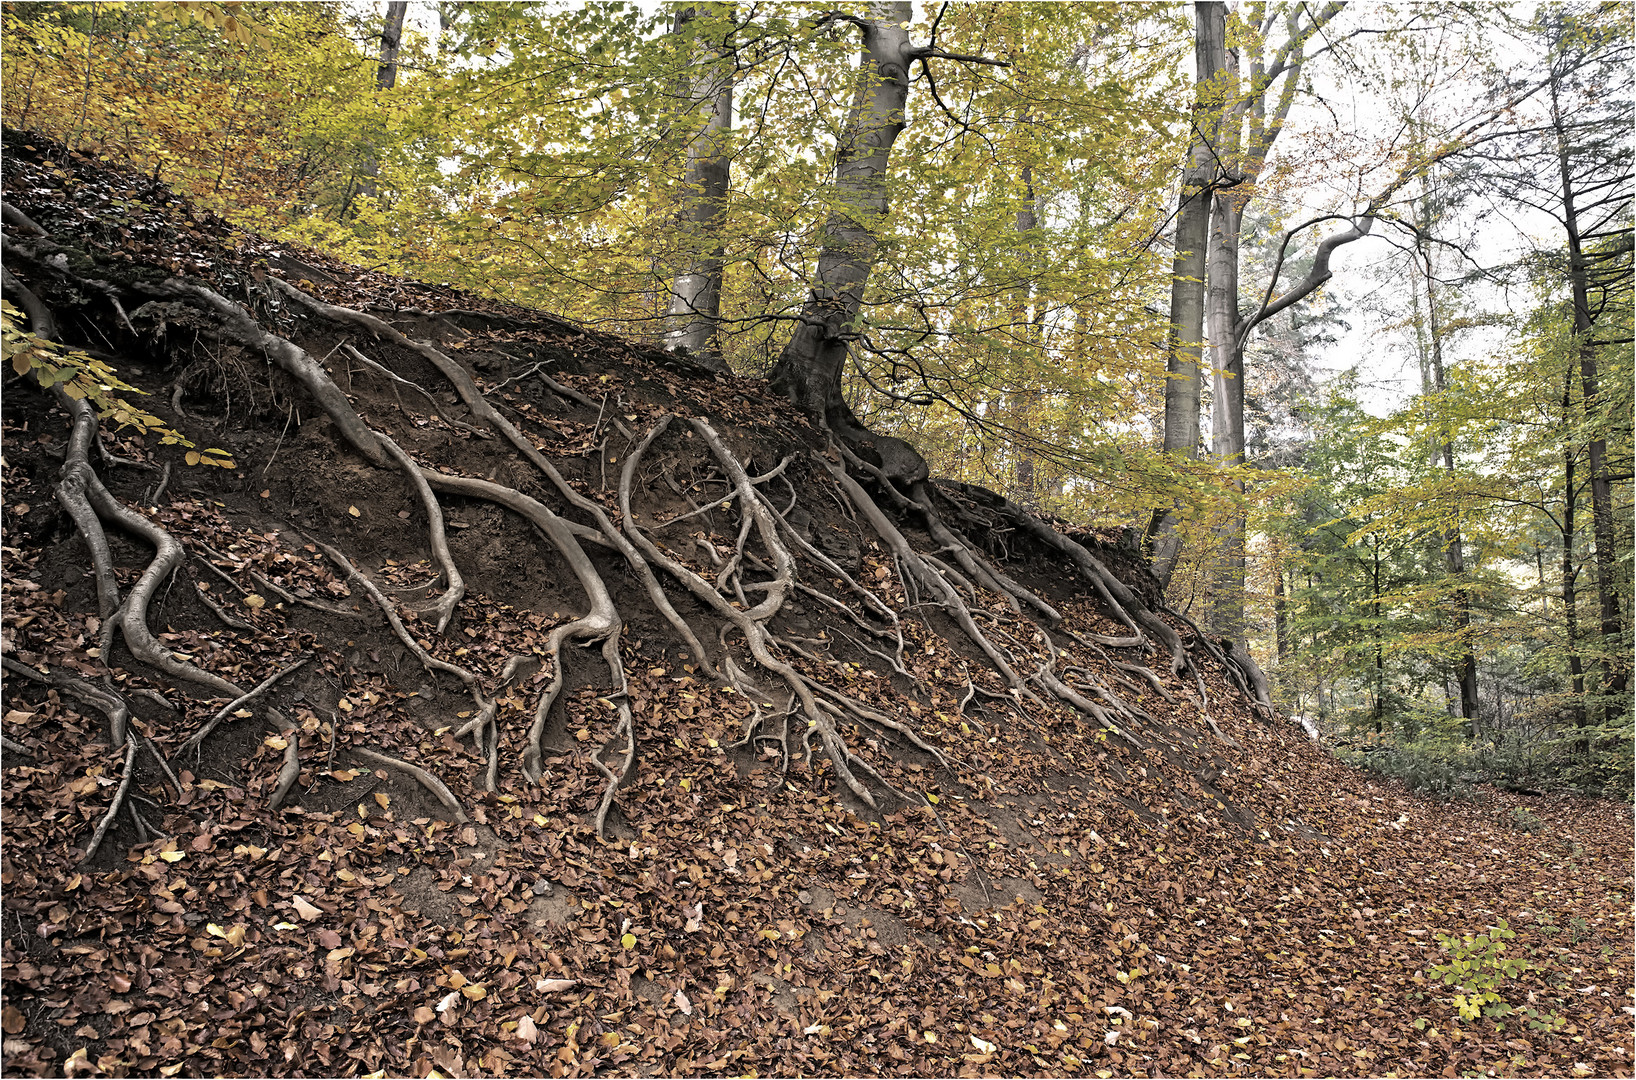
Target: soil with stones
(511, 698)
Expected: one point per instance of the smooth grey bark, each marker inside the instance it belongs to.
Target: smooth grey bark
(386, 77)
(809, 369)
(1184, 344)
(1029, 323)
(694, 315)
(1247, 138)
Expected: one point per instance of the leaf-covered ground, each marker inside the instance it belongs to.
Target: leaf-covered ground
(1058, 900)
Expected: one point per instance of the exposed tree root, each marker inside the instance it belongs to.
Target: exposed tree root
(197, 739)
(444, 608)
(236, 323)
(486, 708)
(762, 563)
(107, 702)
(288, 772)
(113, 808)
(601, 623)
(916, 570)
(227, 617)
(431, 783)
(484, 411)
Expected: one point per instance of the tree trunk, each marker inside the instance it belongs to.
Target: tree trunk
(1570, 612)
(1028, 320)
(695, 295)
(1226, 407)
(386, 77)
(1615, 650)
(1185, 341)
(809, 370)
(1453, 542)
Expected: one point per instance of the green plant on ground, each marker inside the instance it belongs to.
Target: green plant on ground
(1477, 969)
(82, 376)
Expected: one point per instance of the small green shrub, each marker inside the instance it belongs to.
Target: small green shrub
(1478, 969)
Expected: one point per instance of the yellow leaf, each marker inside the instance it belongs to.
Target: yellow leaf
(343, 775)
(276, 742)
(474, 992)
(629, 941)
(384, 799)
(173, 856)
(354, 511)
(243, 714)
(193, 457)
(344, 705)
(341, 953)
(255, 600)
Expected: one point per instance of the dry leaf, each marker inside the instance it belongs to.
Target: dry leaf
(306, 910)
(526, 1030)
(552, 986)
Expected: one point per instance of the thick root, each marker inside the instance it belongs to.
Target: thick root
(438, 788)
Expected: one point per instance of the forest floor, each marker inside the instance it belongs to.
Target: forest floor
(1162, 881)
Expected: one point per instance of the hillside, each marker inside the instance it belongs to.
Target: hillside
(604, 717)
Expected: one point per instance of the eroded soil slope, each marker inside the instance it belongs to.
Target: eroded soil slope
(887, 782)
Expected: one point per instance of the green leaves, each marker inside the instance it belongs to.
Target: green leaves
(79, 376)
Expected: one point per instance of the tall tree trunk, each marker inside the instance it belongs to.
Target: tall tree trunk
(1453, 542)
(1029, 324)
(1280, 616)
(809, 370)
(1615, 650)
(694, 314)
(386, 77)
(1570, 612)
(1184, 344)
(1226, 407)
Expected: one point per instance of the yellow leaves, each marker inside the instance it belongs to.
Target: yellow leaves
(383, 799)
(233, 936)
(214, 456)
(255, 601)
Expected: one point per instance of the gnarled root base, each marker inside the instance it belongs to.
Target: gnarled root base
(1035, 660)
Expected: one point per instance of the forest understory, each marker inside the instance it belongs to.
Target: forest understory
(506, 698)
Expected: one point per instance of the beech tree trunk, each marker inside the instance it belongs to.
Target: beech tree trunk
(1184, 345)
(809, 369)
(694, 315)
(386, 77)
(1226, 407)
